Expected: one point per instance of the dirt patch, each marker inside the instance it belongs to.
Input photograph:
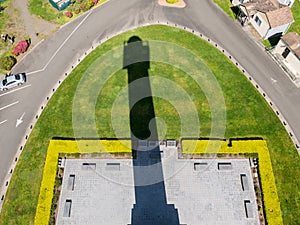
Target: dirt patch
(14, 26)
(22, 25)
(34, 27)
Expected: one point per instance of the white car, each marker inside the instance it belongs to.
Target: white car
(12, 81)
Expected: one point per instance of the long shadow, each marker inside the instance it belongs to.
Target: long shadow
(150, 206)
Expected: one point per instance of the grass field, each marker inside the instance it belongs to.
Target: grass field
(226, 7)
(247, 114)
(46, 11)
(296, 13)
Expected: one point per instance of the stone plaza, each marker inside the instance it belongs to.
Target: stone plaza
(215, 191)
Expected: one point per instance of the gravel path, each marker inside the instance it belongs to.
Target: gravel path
(35, 27)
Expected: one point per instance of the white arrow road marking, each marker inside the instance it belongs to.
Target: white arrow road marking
(15, 90)
(20, 120)
(3, 122)
(4, 107)
(273, 80)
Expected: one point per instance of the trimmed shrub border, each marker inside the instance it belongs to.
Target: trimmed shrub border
(57, 147)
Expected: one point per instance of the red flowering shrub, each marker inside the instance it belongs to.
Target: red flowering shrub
(20, 48)
(95, 2)
(69, 14)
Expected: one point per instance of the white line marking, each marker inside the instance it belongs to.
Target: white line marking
(76, 28)
(4, 107)
(3, 122)
(273, 80)
(36, 71)
(26, 55)
(15, 90)
(60, 47)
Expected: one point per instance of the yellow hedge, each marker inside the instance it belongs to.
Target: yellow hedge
(63, 146)
(90, 146)
(271, 201)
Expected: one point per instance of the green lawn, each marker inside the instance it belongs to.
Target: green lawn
(247, 114)
(45, 10)
(296, 13)
(225, 5)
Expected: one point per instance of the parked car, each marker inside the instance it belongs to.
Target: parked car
(12, 81)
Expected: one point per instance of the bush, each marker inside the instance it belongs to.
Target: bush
(172, 1)
(21, 47)
(77, 10)
(7, 62)
(95, 2)
(69, 14)
(86, 6)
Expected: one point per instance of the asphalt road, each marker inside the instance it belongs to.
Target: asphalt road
(50, 59)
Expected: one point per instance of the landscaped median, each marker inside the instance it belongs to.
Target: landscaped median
(69, 147)
(247, 114)
(270, 196)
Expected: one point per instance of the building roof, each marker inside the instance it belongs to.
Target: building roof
(253, 6)
(280, 16)
(292, 39)
(276, 13)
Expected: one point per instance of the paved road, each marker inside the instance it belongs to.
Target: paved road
(53, 56)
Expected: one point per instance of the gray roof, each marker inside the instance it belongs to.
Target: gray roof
(276, 13)
(292, 39)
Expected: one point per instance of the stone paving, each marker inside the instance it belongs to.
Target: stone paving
(204, 191)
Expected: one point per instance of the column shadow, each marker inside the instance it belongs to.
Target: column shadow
(150, 206)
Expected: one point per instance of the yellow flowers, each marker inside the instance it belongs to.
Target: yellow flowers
(66, 146)
(270, 197)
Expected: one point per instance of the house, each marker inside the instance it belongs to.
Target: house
(287, 51)
(287, 2)
(268, 17)
(60, 4)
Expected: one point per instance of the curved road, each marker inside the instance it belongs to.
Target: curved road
(48, 62)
